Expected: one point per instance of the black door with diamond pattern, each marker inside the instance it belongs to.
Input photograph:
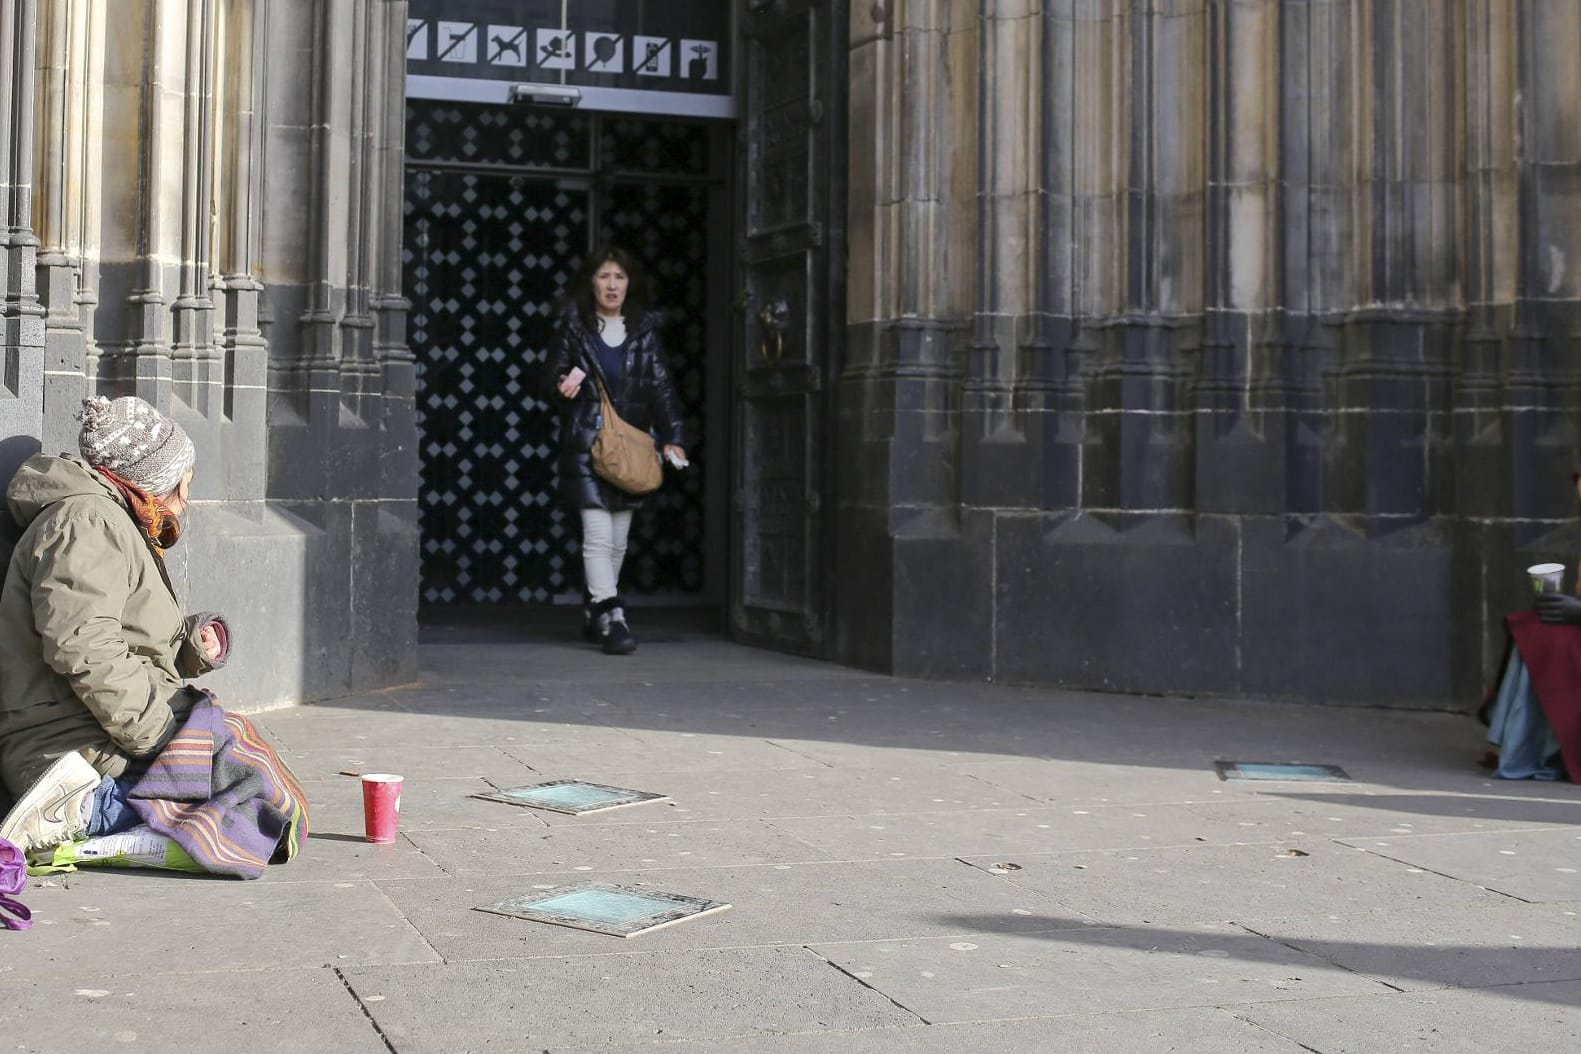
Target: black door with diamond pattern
(501, 204)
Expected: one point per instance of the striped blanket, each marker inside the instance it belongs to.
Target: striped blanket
(221, 793)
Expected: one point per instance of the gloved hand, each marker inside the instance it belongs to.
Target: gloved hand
(1558, 607)
(206, 646)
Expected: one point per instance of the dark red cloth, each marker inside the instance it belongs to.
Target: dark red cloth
(1552, 653)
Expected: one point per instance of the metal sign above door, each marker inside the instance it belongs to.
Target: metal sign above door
(629, 56)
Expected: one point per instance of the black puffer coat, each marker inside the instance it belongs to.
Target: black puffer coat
(645, 398)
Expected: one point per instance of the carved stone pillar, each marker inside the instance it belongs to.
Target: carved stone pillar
(193, 352)
(1403, 308)
(21, 315)
(364, 192)
(1007, 140)
(913, 76)
(1492, 240)
(1543, 378)
(1139, 464)
(1314, 219)
(389, 152)
(61, 102)
(241, 90)
(329, 108)
(1050, 391)
(1239, 447)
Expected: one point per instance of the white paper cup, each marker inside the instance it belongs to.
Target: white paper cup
(1547, 578)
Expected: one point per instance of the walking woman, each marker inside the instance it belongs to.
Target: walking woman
(99, 733)
(607, 335)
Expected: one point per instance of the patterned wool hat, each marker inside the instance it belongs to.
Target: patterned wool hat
(136, 442)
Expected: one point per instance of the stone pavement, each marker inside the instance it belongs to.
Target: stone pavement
(914, 867)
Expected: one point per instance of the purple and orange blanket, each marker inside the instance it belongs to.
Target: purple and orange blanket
(221, 793)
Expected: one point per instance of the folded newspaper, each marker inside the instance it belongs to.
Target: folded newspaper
(139, 847)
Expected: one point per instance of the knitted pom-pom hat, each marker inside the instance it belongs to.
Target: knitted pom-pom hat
(136, 442)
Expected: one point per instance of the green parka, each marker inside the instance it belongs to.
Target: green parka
(93, 645)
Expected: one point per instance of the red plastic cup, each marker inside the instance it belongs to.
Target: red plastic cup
(381, 805)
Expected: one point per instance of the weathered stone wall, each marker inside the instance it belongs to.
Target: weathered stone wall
(215, 214)
(1222, 346)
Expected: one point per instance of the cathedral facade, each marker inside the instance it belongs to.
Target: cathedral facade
(1168, 346)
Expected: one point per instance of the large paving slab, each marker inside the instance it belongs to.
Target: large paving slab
(1175, 764)
(1235, 883)
(648, 751)
(263, 1012)
(1077, 782)
(329, 856)
(1501, 943)
(1202, 1030)
(152, 922)
(414, 759)
(306, 727)
(1465, 800)
(1512, 1018)
(670, 704)
(785, 904)
(1087, 970)
(711, 660)
(703, 793)
(613, 848)
(1531, 865)
(593, 1003)
(1011, 833)
(1381, 813)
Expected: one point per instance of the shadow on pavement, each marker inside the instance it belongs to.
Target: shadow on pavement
(529, 664)
(1505, 807)
(1439, 966)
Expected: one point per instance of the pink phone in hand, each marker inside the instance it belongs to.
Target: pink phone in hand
(575, 377)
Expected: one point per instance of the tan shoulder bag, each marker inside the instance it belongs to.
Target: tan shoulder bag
(623, 455)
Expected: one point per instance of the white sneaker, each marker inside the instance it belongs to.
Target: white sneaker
(52, 810)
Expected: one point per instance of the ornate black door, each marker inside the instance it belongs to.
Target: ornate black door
(792, 316)
(501, 203)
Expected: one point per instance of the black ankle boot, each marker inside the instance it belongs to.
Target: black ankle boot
(614, 635)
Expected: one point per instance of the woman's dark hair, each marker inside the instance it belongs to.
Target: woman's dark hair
(579, 294)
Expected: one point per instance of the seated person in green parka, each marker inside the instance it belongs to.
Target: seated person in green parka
(94, 647)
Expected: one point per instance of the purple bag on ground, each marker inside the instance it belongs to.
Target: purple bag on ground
(13, 879)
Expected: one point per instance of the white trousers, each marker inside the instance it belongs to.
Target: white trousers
(604, 550)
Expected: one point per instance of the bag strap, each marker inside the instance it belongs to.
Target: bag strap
(591, 362)
(596, 375)
(596, 372)
(23, 919)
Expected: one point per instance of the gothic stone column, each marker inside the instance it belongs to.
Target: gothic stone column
(21, 316)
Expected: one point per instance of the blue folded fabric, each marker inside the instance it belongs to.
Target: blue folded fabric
(111, 813)
(1528, 749)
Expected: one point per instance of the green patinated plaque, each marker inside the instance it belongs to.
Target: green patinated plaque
(1275, 770)
(573, 797)
(619, 911)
